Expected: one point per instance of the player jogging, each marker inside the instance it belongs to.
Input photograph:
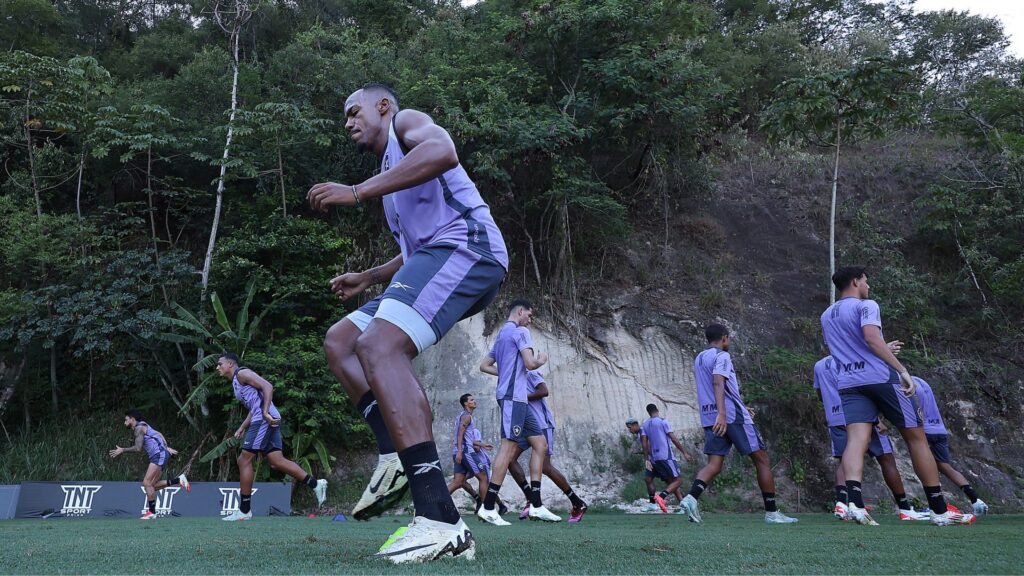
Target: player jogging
(148, 440)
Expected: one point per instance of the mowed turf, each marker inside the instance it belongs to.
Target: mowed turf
(603, 543)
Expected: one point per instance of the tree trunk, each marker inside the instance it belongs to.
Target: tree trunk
(10, 373)
(280, 174)
(78, 189)
(31, 154)
(53, 379)
(832, 222)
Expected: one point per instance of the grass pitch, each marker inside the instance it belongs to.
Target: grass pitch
(604, 543)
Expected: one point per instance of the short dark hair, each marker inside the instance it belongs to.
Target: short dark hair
(229, 356)
(846, 275)
(382, 87)
(133, 413)
(520, 302)
(715, 332)
(463, 398)
(651, 409)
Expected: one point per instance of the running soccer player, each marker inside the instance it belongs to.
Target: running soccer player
(509, 359)
(938, 440)
(466, 456)
(262, 432)
(537, 391)
(727, 423)
(638, 448)
(656, 433)
(880, 447)
(150, 441)
(452, 262)
(871, 380)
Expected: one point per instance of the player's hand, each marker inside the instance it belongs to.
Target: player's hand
(116, 451)
(881, 429)
(895, 346)
(648, 465)
(907, 383)
(719, 427)
(327, 194)
(239, 433)
(270, 419)
(349, 284)
(458, 457)
(542, 357)
(171, 451)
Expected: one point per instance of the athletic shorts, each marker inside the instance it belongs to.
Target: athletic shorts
(863, 404)
(517, 421)
(437, 286)
(743, 435)
(939, 443)
(665, 470)
(549, 435)
(469, 466)
(262, 438)
(159, 458)
(484, 461)
(880, 443)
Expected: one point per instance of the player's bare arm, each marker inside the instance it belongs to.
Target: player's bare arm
(679, 446)
(351, 284)
(266, 392)
(873, 338)
(245, 426)
(540, 392)
(532, 360)
(461, 436)
(140, 436)
(720, 425)
(489, 366)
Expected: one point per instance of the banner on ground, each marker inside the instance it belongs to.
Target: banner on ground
(128, 499)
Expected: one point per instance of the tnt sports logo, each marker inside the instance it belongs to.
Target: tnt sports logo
(164, 499)
(230, 501)
(78, 499)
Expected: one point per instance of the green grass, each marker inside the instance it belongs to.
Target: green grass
(603, 543)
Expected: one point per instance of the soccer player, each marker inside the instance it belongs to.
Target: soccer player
(452, 262)
(509, 359)
(656, 433)
(262, 432)
(465, 454)
(153, 443)
(727, 423)
(880, 447)
(633, 426)
(938, 440)
(537, 391)
(871, 380)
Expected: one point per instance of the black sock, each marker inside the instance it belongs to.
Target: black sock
(936, 501)
(901, 501)
(576, 501)
(527, 489)
(853, 489)
(309, 481)
(245, 503)
(842, 495)
(174, 481)
(535, 494)
(492, 495)
(698, 488)
(769, 501)
(152, 506)
(663, 494)
(371, 413)
(430, 495)
(970, 493)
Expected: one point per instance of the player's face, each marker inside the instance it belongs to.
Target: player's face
(129, 422)
(525, 316)
(862, 286)
(471, 403)
(363, 119)
(633, 428)
(224, 367)
(725, 343)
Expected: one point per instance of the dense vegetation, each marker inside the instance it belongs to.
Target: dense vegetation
(156, 156)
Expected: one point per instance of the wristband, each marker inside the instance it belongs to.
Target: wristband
(355, 193)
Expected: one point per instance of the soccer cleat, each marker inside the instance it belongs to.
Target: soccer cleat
(980, 508)
(147, 515)
(502, 509)
(914, 515)
(950, 517)
(661, 503)
(525, 513)
(777, 517)
(841, 511)
(576, 516)
(426, 540)
(387, 486)
(861, 516)
(650, 507)
(491, 517)
(184, 483)
(953, 509)
(237, 516)
(689, 503)
(542, 513)
(320, 491)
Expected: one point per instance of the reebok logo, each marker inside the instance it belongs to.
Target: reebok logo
(426, 467)
(164, 500)
(405, 287)
(78, 499)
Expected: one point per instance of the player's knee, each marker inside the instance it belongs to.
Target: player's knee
(338, 342)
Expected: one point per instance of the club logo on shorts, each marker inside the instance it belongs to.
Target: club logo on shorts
(405, 287)
(517, 430)
(78, 499)
(231, 499)
(164, 499)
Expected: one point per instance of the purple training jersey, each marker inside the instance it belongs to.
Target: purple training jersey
(842, 325)
(657, 429)
(153, 442)
(539, 406)
(447, 209)
(467, 438)
(252, 399)
(512, 383)
(713, 362)
(825, 380)
(933, 423)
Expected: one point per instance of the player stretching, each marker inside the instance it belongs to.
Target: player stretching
(825, 381)
(153, 443)
(656, 433)
(514, 355)
(871, 381)
(452, 262)
(262, 432)
(938, 440)
(468, 459)
(537, 391)
(727, 423)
